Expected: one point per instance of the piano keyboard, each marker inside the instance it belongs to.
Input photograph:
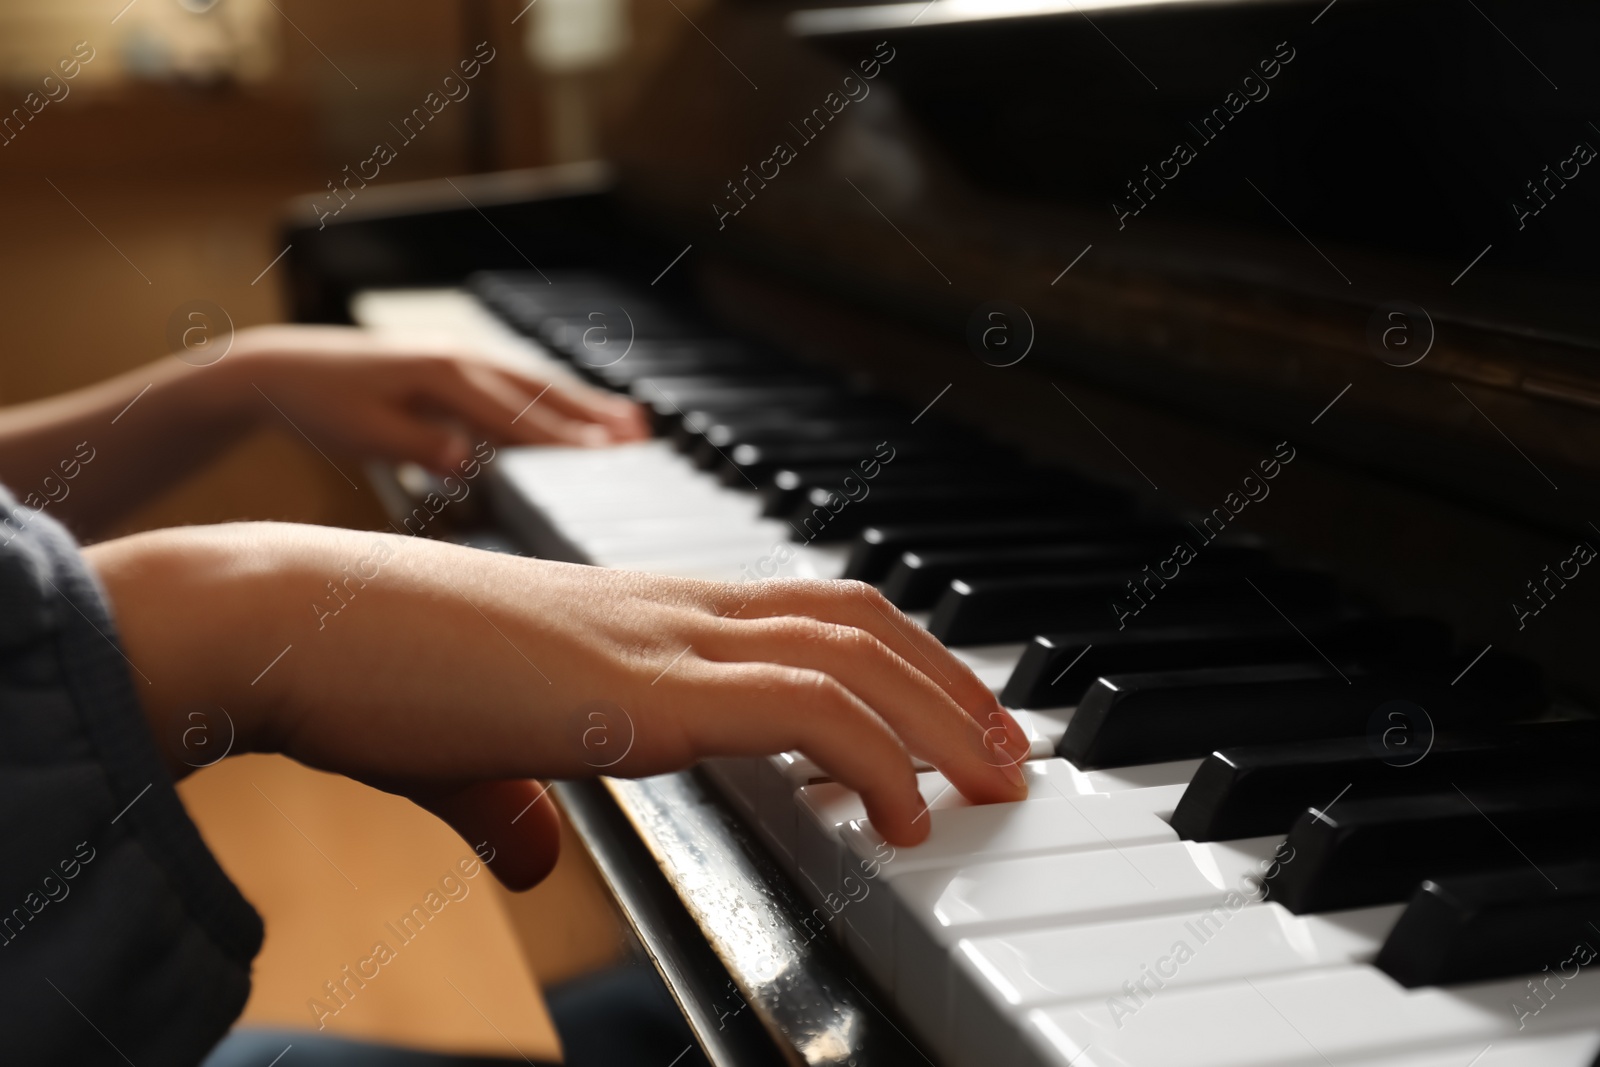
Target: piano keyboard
(1314, 893)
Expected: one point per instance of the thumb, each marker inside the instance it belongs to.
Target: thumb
(512, 823)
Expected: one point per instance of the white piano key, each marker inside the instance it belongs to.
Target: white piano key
(779, 807)
(638, 541)
(456, 317)
(968, 836)
(1527, 1049)
(1038, 825)
(1333, 1015)
(820, 810)
(1066, 777)
(1041, 825)
(682, 506)
(936, 909)
(1043, 729)
(792, 771)
(999, 979)
(777, 779)
(1078, 887)
(685, 532)
(821, 561)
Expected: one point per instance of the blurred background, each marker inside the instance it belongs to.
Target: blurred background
(157, 176)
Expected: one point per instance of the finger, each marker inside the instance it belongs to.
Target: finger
(623, 418)
(753, 709)
(540, 418)
(537, 423)
(404, 437)
(493, 407)
(863, 607)
(513, 824)
(930, 723)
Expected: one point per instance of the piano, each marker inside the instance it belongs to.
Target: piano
(1220, 381)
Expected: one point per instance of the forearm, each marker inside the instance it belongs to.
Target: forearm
(94, 453)
(286, 626)
(427, 668)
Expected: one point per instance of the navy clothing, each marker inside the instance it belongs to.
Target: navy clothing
(121, 940)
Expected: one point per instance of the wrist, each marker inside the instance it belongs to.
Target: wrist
(195, 609)
(222, 392)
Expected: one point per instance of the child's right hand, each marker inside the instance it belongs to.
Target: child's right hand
(454, 676)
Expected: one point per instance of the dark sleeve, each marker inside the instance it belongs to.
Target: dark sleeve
(121, 940)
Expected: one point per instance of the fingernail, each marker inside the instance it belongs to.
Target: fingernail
(455, 452)
(1013, 771)
(1014, 730)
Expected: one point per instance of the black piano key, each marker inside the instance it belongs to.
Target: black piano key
(621, 375)
(1056, 668)
(668, 399)
(833, 516)
(851, 417)
(950, 478)
(1260, 789)
(1496, 674)
(992, 610)
(753, 465)
(1126, 719)
(688, 423)
(685, 391)
(1355, 853)
(658, 359)
(878, 548)
(1155, 716)
(1514, 922)
(550, 285)
(711, 449)
(732, 392)
(527, 307)
(920, 578)
(789, 486)
(575, 332)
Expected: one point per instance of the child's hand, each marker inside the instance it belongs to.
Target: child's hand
(359, 392)
(454, 676)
